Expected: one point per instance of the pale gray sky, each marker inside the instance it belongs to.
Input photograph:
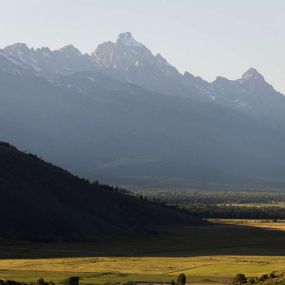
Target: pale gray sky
(205, 37)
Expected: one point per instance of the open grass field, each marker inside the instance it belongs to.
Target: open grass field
(265, 224)
(258, 205)
(200, 269)
(207, 255)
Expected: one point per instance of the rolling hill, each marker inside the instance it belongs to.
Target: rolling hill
(41, 202)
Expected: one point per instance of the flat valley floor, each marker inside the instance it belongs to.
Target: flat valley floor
(209, 254)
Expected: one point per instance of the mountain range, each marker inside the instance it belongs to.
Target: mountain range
(124, 115)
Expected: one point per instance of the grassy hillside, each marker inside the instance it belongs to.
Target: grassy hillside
(42, 202)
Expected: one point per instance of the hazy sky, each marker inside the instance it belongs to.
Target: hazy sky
(205, 37)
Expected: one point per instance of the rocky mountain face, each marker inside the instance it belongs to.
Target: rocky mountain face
(130, 61)
(250, 94)
(10, 65)
(125, 113)
(49, 64)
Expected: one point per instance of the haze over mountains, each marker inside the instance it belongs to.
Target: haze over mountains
(124, 115)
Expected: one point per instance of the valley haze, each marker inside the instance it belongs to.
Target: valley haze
(125, 116)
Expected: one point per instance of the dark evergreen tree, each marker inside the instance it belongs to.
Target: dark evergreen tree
(181, 279)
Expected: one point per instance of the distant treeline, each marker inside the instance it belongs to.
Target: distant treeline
(235, 212)
(188, 197)
(74, 280)
(212, 210)
(41, 281)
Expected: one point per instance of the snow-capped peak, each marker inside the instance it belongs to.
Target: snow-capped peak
(252, 73)
(126, 39)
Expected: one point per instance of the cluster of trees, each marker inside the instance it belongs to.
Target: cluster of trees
(74, 280)
(242, 279)
(12, 282)
(6, 144)
(122, 191)
(236, 212)
(69, 281)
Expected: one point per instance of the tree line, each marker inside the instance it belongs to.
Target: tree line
(235, 212)
(74, 280)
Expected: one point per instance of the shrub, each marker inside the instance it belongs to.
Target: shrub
(130, 283)
(263, 277)
(239, 279)
(71, 281)
(41, 281)
(272, 275)
(251, 280)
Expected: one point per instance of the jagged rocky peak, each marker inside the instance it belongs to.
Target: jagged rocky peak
(221, 79)
(104, 53)
(161, 59)
(18, 48)
(189, 75)
(195, 79)
(20, 51)
(102, 48)
(252, 73)
(45, 51)
(70, 51)
(123, 40)
(122, 54)
(162, 62)
(126, 39)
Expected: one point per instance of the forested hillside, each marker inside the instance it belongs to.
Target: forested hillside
(42, 202)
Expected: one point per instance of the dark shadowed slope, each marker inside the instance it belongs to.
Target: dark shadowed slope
(42, 202)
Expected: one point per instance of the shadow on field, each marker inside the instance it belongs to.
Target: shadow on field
(215, 239)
